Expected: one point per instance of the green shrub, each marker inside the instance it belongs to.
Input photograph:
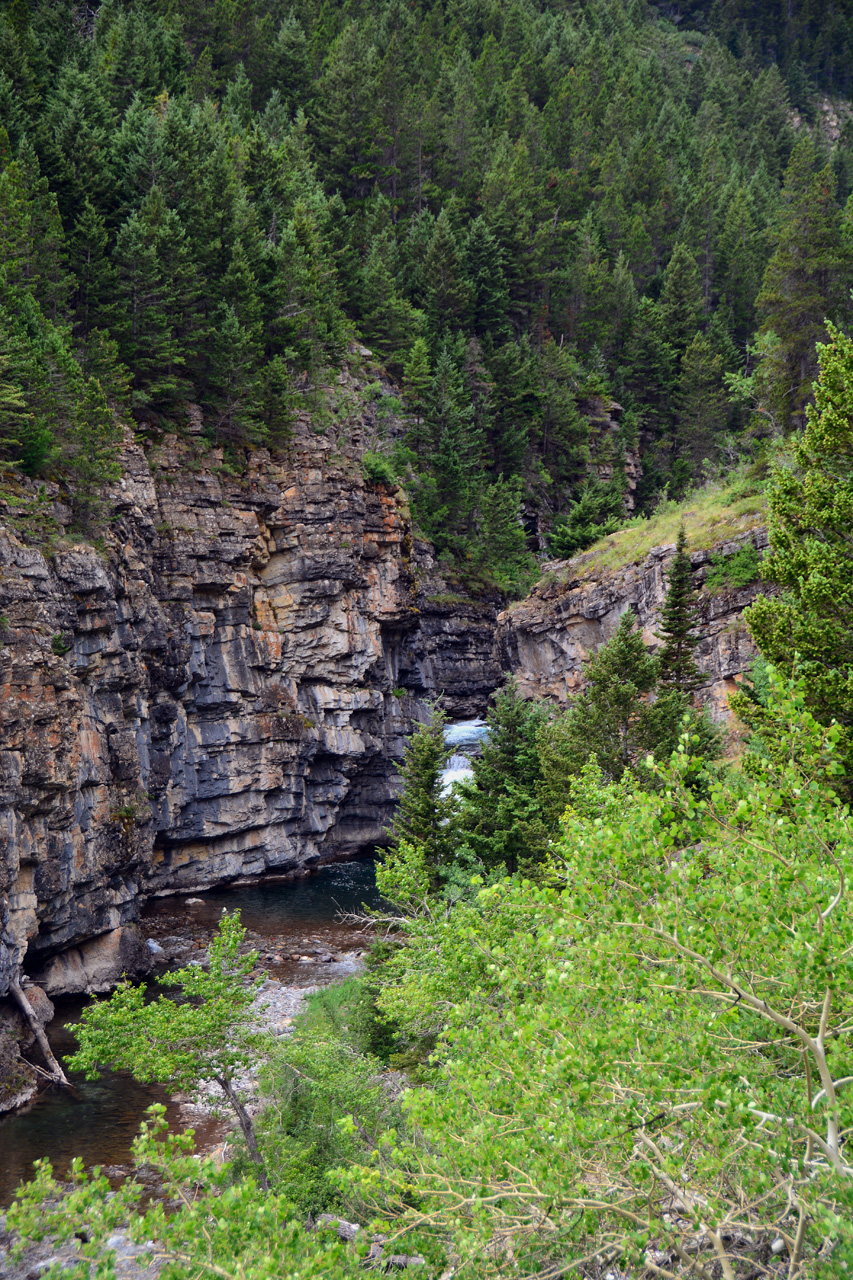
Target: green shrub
(731, 572)
(377, 469)
(327, 1103)
(60, 644)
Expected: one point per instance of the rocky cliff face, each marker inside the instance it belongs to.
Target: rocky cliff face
(220, 686)
(217, 689)
(546, 638)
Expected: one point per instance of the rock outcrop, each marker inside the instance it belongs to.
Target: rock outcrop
(219, 687)
(546, 638)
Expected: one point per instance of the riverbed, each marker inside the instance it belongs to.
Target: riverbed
(303, 943)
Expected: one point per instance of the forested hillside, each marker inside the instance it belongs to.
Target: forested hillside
(570, 230)
(584, 256)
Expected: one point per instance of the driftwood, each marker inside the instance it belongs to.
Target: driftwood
(56, 1072)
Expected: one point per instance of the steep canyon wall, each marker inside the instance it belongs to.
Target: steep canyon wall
(217, 689)
(575, 608)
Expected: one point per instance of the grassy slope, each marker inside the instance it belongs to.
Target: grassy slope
(711, 515)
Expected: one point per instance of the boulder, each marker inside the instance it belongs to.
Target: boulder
(97, 965)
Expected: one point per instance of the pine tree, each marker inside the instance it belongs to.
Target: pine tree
(95, 302)
(701, 405)
(499, 815)
(613, 718)
(739, 264)
(76, 128)
(15, 221)
(46, 270)
(389, 322)
(422, 812)
(804, 282)
(91, 452)
(678, 622)
(488, 296)
(809, 626)
(502, 536)
(158, 279)
(235, 389)
(681, 298)
(515, 405)
(347, 120)
(417, 380)
(455, 453)
(444, 277)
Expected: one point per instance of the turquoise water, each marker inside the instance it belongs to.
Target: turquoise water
(100, 1120)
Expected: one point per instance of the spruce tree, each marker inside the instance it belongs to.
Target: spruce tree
(488, 296)
(681, 298)
(446, 284)
(702, 407)
(679, 619)
(417, 380)
(613, 719)
(502, 536)
(157, 275)
(808, 627)
(499, 815)
(422, 812)
(805, 282)
(91, 451)
(95, 302)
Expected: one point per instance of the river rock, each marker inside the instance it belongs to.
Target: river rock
(96, 966)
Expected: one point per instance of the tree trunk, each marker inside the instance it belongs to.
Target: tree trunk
(38, 1031)
(245, 1122)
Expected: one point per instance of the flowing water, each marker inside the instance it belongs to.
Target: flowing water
(101, 1119)
(466, 737)
(291, 923)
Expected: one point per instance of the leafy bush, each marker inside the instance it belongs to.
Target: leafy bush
(327, 1103)
(647, 1062)
(215, 1226)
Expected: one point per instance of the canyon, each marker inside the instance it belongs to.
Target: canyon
(218, 686)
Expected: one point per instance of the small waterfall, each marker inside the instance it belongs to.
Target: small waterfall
(463, 734)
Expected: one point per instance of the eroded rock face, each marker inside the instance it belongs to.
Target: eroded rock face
(546, 638)
(220, 690)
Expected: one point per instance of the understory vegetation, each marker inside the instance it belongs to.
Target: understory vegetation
(594, 244)
(638, 1058)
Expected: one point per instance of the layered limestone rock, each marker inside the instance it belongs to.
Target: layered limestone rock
(219, 688)
(546, 638)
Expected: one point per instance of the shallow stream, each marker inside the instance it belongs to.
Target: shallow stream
(302, 941)
(284, 920)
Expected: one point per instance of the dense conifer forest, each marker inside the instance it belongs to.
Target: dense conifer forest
(604, 1025)
(568, 230)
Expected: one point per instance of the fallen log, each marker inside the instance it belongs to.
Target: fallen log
(56, 1072)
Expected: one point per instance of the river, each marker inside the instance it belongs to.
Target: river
(101, 1121)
